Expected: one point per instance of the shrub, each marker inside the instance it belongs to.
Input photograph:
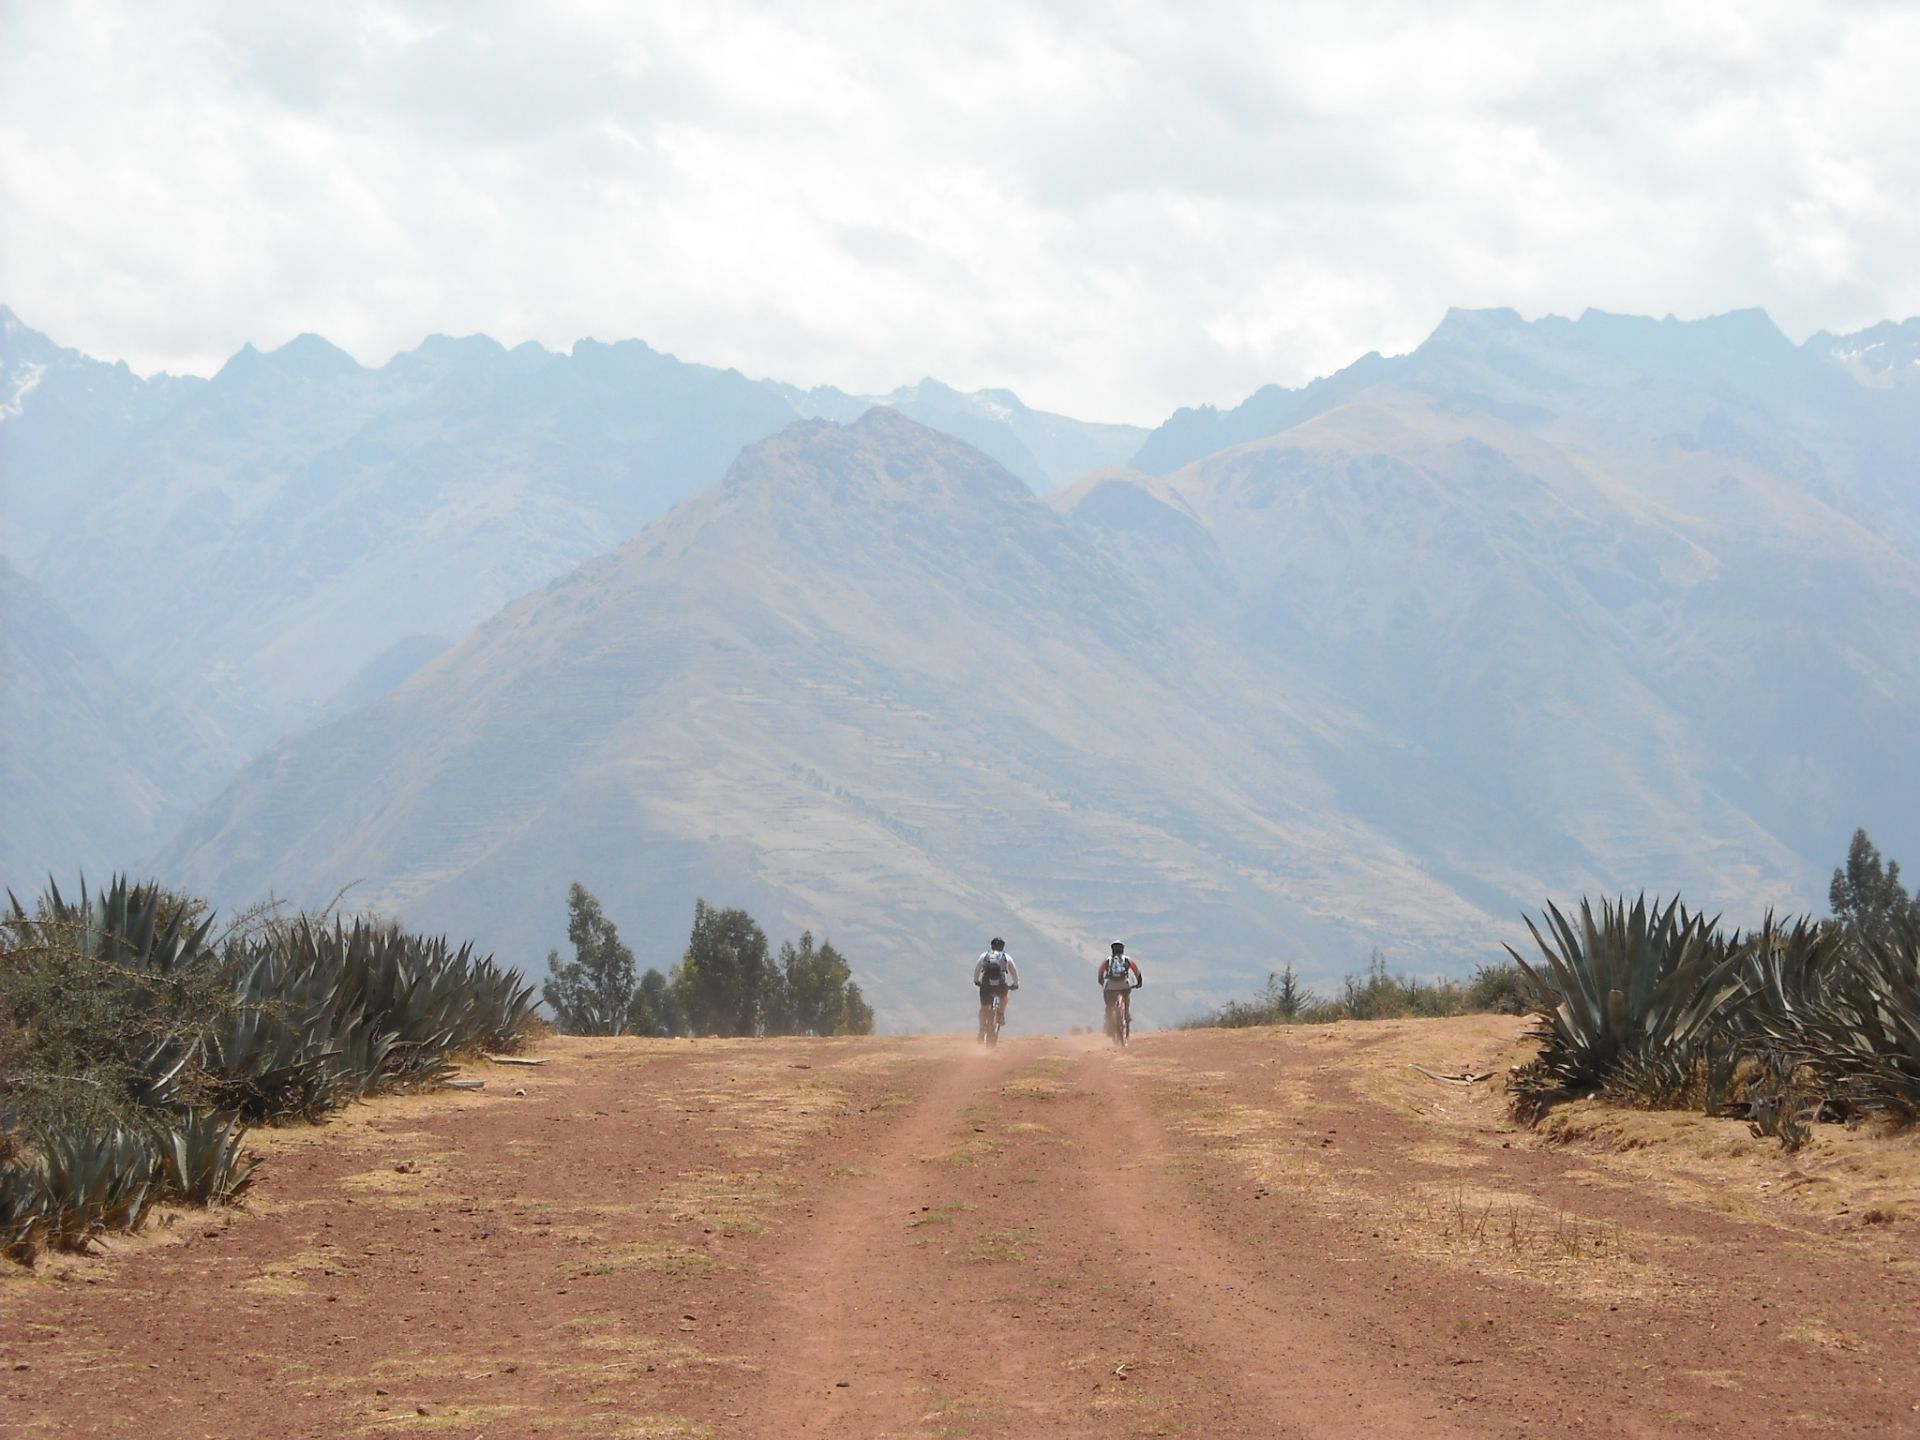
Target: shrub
(133, 1048)
(1633, 984)
(1864, 1032)
(200, 1159)
(94, 1180)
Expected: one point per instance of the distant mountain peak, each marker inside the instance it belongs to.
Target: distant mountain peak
(459, 344)
(1460, 324)
(1884, 356)
(881, 457)
(303, 358)
(315, 355)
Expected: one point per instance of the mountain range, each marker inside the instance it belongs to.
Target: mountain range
(1540, 608)
(265, 540)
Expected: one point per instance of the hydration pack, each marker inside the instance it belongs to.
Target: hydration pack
(993, 970)
(1117, 966)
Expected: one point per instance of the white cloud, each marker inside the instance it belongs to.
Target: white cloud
(1113, 210)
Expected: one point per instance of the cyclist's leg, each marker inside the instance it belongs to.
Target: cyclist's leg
(986, 1010)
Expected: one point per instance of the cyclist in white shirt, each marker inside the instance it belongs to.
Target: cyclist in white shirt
(1119, 977)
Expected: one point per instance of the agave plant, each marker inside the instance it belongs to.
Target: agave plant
(1787, 972)
(140, 930)
(275, 1055)
(129, 957)
(1634, 982)
(1865, 1034)
(95, 1180)
(200, 1159)
(23, 1209)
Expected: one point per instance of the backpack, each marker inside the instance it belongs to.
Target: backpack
(1117, 966)
(993, 968)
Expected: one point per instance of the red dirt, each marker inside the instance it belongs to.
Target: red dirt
(1271, 1233)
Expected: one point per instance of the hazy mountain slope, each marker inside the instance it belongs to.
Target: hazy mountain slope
(1631, 663)
(300, 515)
(1731, 383)
(1884, 355)
(870, 685)
(1192, 433)
(1043, 449)
(258, 541)
(62, 417)
(94, 771)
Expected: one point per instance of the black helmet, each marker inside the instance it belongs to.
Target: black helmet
(1119, 947)
(997, 944)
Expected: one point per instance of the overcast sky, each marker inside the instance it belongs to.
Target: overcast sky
(1113, 209)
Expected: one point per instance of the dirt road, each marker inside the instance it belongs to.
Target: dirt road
(1259, 1233)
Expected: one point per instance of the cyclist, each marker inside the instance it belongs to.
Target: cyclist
(995, 973)
(1119, 977)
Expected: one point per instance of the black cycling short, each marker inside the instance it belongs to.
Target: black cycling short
(989, 989)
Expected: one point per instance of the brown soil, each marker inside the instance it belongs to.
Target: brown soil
(1252, 1233)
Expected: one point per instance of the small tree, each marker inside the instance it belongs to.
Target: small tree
(592, 993)
(1866, 896)
(655, 1009)
(816, 994)
(725, 979)
(1285, 996)
(856, 1016)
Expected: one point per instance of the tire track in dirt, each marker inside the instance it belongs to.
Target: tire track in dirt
(868, 1328)
(1285, 1376)
(1079, 1293)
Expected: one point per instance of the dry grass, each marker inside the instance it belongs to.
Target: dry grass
(661, 1257)
(1273, 1144)
(997, 1247)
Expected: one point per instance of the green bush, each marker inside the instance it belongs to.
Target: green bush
(1631, 985)
(1863, 1034)
(1798, 1018)
(1373, 994)
(134, 1047)
(200, 1160)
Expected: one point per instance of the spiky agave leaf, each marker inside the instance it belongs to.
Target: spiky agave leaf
(23, 1208)
(1633, 981)
(1865, 1035)
(95, 1180)
(1787, 970)
(200, 1158)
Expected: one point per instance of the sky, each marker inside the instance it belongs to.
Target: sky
(1113, 209)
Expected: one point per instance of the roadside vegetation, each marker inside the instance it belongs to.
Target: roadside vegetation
(136, 1044)
(726, 982)
(1375, 993)
(1797, 1021)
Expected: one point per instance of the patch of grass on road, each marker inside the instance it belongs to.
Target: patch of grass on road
(937, 1215)
(665, 1257)
(996, 1247)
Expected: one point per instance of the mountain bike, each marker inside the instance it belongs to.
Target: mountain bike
(995, 1018)
(1119, 1024)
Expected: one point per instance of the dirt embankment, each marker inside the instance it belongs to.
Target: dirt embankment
(1251, 1233)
